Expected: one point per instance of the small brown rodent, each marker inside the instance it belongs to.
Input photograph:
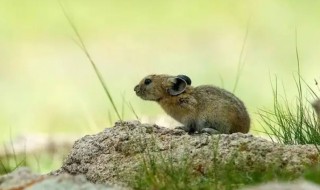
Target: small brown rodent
(200, 109)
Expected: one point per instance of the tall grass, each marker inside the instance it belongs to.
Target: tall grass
(10, 160)
(95, 68)
(166, 171)
(291, 123)
(9, 164)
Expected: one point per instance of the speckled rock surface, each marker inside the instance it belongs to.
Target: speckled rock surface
(23, 178)
(112, 154)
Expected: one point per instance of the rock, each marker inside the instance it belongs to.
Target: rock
(23, 178)
(296, 185)
(116, 153)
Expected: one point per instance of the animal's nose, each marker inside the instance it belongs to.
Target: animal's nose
(136, 88)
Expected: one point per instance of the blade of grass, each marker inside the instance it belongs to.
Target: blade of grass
(96, 70)
(133, 111)
(241, 61)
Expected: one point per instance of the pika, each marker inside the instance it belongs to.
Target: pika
(200, 109)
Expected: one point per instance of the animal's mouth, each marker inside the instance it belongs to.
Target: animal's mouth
(138, 91)
(136, 88)
(143, 94)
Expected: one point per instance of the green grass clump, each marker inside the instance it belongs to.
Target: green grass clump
(164, 172)
(42, 162)
(291, 123)
(313, 174)
(10, 163)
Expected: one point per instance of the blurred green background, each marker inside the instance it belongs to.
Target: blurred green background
(48, 86)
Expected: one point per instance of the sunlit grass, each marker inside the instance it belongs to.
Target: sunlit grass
(41, 162)
(160, 170)
(292, 122)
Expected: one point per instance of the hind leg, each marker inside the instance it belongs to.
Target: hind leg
(213, 127)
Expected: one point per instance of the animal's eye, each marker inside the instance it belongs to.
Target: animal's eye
(147, 81)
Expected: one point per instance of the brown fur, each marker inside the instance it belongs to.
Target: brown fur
(197, 107)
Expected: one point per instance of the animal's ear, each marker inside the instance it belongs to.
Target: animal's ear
(179, 85)
(186, 78)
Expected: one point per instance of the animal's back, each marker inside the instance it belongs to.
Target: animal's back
(220, 106)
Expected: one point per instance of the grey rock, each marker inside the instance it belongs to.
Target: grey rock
(296, 185)
(115, 153)
(23, 178)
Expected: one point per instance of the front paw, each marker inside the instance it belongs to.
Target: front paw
(210, 131)
(182, 128)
